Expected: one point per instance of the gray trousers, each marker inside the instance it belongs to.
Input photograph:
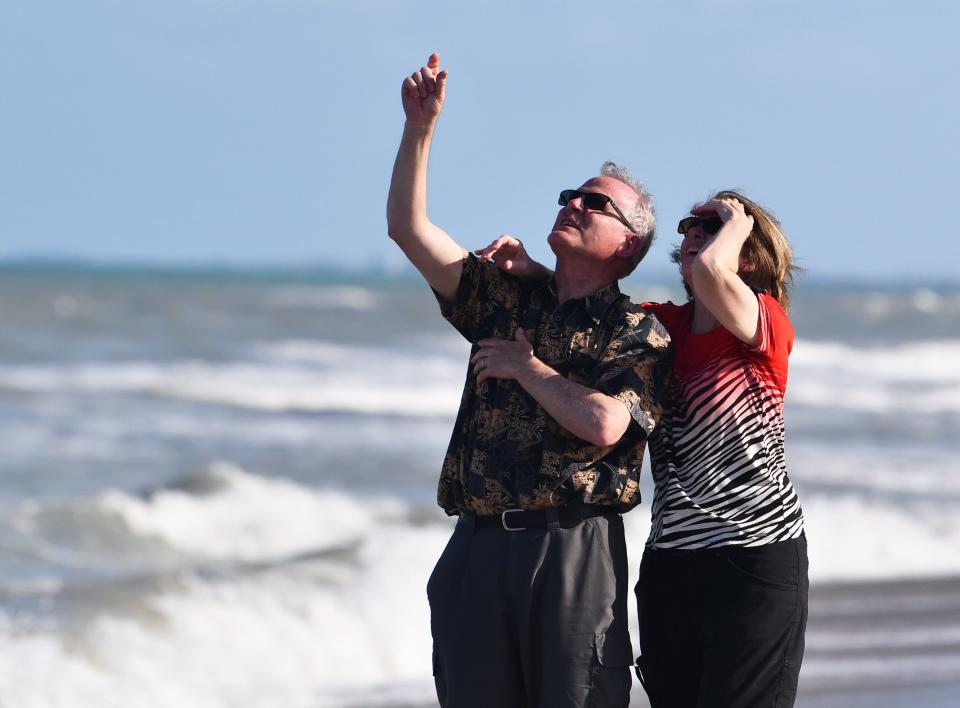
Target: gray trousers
(532, 619)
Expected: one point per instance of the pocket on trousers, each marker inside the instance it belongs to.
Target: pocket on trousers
(447, 566)
(773, 566)
(610, 682)
(610, 540)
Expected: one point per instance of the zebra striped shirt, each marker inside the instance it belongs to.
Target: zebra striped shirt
(717, 456)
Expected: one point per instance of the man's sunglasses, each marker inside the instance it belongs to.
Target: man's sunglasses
(595, 201)
(710, 224)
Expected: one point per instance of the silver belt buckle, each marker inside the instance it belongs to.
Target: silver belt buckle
(503, 520)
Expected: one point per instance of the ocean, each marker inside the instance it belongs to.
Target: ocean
(217, 488)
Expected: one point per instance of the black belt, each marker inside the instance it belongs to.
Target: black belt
(523, 519)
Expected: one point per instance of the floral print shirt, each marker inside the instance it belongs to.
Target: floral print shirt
(506, 450)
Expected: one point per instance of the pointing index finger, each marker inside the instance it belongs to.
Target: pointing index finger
(441, 85)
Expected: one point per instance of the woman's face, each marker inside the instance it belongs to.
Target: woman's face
(692, 242)
(695, 238)
(697, 230)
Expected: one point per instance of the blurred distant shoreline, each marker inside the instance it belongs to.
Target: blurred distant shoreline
(648, 274)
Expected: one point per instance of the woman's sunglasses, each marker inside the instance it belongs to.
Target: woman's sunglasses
(595, 201)
(710, 224)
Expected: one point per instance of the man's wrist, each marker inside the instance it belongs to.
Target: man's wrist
(418, 129)
(532, 369)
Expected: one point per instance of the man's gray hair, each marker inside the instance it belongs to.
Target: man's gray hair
(642, 217)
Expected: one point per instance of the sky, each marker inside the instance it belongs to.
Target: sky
(263, 133)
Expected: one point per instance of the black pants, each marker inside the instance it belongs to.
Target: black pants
(723, 627)
(532, 619)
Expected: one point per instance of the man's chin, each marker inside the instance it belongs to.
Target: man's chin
(558, 238)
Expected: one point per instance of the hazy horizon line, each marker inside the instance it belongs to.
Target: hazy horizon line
(404, 272)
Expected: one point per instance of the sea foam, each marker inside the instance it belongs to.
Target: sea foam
(261, 610)
(244, 517)
(315, 375)
(920, 378)
(328, 377)
(301, 628)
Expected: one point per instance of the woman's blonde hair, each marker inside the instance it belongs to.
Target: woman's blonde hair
(772, 267)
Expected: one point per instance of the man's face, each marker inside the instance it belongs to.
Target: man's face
(595, 234)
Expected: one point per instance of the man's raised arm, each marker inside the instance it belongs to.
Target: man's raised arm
(431, 249)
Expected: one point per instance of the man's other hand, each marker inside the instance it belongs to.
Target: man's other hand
(502, 358)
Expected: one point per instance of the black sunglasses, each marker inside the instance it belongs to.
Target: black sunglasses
(710, 224)
(595, 201)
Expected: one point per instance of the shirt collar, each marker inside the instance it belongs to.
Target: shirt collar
(595, 305)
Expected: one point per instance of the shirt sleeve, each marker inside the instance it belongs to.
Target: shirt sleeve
(776, 332)
(776, 340)
(483, 292)
(635, 366)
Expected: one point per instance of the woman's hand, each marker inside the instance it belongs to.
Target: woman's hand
(509, 255)
(715, 272)
(735, 219)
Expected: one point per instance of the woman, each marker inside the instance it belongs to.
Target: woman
(722, 593)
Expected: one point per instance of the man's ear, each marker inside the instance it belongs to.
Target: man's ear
(630, 246)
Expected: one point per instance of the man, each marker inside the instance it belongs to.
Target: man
(528, 601)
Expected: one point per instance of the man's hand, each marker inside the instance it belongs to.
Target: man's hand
(431, 249)
(502, 358)
(590, 415)
(510, 256)
(423, 92)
